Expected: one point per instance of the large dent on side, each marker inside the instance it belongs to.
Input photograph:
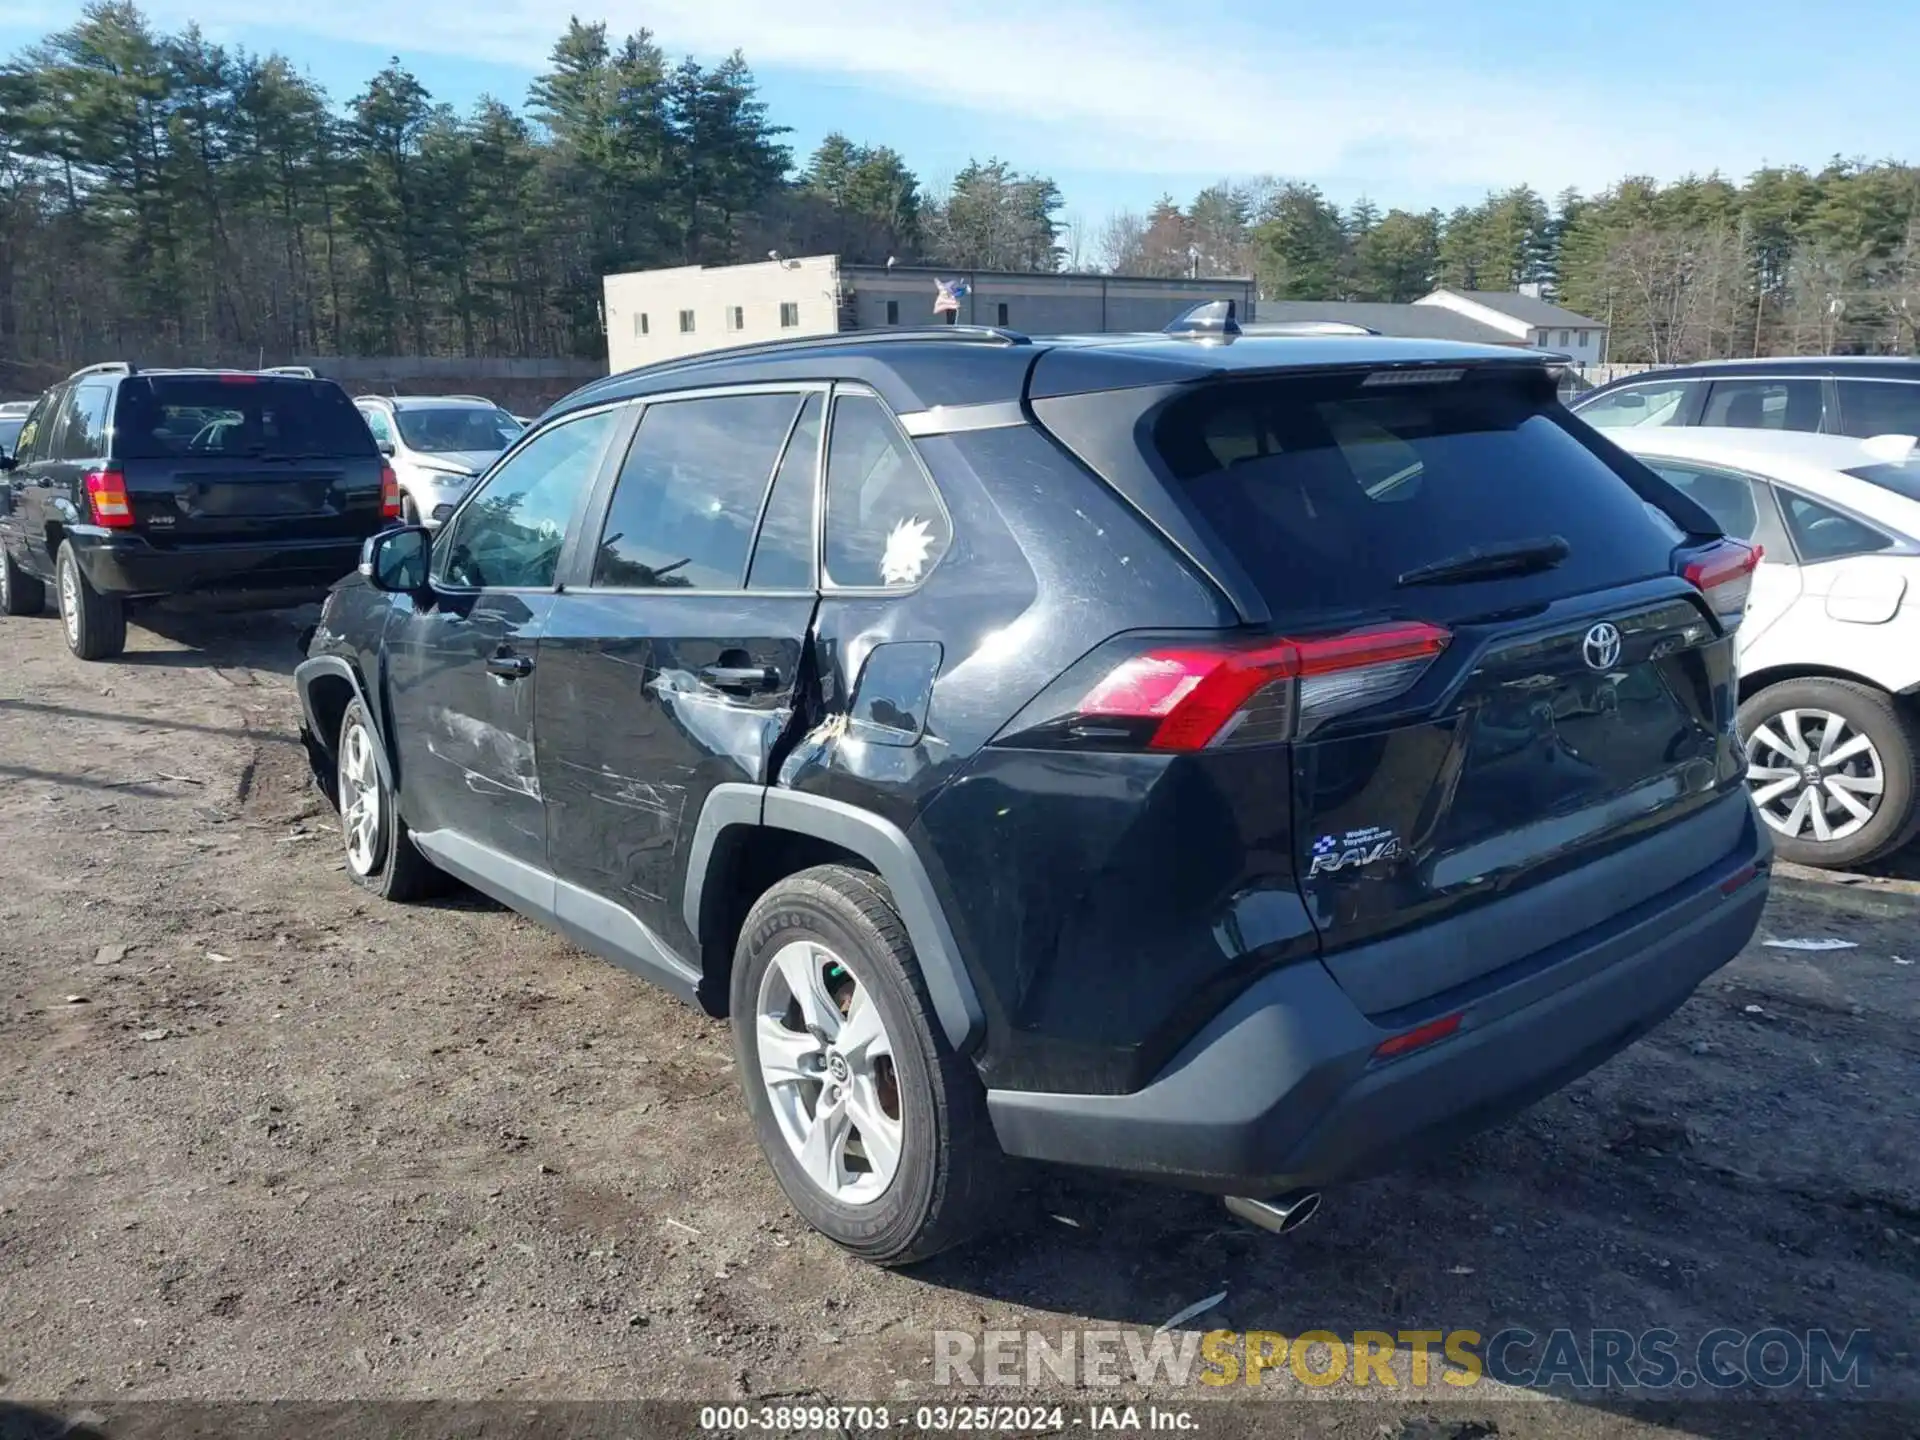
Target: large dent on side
(490, 759)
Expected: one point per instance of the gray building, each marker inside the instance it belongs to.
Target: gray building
(654, 315)
(1486, 317)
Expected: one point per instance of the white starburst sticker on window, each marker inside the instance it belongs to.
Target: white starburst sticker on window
(906, 554)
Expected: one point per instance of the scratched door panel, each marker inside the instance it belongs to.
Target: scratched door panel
(466, 734)
(647, 701)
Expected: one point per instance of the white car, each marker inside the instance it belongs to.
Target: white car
(1830, 646)
(438, 446)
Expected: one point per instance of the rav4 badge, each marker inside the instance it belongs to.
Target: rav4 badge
(1354, 850)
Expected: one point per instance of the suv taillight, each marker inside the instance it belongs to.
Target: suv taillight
(1193, 697)
(107, 497)
(1723, 572)
(389, 494)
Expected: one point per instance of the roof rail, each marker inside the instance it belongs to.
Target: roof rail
(892, 334)
(105, 367)
(298, 372)
(481, 399)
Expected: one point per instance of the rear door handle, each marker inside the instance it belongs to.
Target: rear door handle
(509, 667)
(744, 679)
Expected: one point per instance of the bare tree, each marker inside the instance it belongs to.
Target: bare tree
(1820, 312)
(1676, 292)
(1121, 248)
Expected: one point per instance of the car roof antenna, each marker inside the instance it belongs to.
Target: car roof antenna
(1211, 320)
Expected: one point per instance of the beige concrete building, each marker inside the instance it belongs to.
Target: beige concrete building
(655, 315)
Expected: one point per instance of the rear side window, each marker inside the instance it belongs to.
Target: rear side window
(1328, 492)
(690, 492)
(83, 427)
(885, 524)
(236, 416)
(1879, 407)
(1821, 533)
(1763, 405)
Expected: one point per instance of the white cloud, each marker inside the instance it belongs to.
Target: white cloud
(1102, 87)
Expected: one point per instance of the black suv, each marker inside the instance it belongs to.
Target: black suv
(128, 485)
(1232, 761)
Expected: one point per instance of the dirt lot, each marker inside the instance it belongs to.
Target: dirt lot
(266, 1137)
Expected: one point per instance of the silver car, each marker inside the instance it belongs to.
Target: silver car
(437, 445)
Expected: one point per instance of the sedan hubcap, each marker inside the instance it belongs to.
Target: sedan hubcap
(826, 1062)
(360, 811)
(1813, 775)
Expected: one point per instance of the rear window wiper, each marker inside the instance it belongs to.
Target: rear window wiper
(1515, 557)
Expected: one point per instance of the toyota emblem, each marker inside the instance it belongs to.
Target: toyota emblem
(1602, 646)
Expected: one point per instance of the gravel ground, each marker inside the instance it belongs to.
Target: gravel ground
(265, 1137)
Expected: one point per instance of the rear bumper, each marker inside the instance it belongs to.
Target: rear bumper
(1282, 1090)
(128, 565)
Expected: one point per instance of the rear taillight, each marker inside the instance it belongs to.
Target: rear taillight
(1723, 572)
(107, 497)
(1192, 697)
(389, 494)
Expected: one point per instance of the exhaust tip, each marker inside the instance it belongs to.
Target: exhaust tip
(1281, 1215)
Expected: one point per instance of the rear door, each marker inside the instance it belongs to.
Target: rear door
(670, 663)
(1579, 700)
(34, 479)
(238, 458)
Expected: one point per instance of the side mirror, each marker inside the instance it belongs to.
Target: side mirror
(396, 560)
(385, 447)
(7, 462)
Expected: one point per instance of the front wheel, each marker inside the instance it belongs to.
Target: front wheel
(875, 1129)
(96, 624)
(380, 853)
(1834, 768)
(20, 593)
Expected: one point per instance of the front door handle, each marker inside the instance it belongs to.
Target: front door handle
(509, 667)
(743, 679)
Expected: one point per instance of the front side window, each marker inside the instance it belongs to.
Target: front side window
(1764, 405)
(32, 444)
(510, 534)
(1822, 533)
(1879, 407)
(377, 423)
(1648, 405)
(885, 524)
(690, 492)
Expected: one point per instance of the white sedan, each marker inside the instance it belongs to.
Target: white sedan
(1830, 646)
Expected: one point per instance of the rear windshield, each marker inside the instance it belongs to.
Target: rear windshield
(164, 416)
(1328, 490)
(450, 429)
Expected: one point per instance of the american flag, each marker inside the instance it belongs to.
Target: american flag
(949, 297)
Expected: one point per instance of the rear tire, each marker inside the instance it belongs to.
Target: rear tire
(20, 593)
(381, 855)
(1864, 747)
(409, 512)
(834, 929)
(96, 624)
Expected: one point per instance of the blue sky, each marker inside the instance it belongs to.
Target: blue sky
(1413, 102)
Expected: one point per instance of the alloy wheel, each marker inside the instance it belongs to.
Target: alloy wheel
(826, 1062)
(70, 601)
(360, 805)
(1813, 775)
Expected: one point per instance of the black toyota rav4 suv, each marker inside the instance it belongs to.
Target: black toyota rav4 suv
(1239, 762)
(130, 485)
